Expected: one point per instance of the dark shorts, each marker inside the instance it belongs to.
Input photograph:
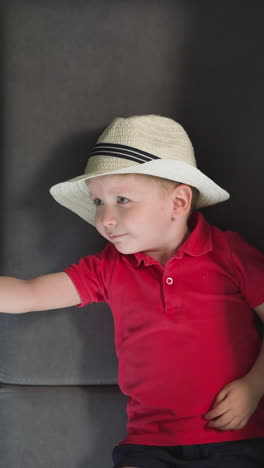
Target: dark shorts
(235, 454)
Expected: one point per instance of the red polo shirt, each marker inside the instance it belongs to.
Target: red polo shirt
(182, 332)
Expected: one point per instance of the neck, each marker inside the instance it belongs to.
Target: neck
(163, 254)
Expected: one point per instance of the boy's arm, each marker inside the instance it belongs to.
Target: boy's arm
(53, 291)
(260, 311)
(237, 401)
(256, 373)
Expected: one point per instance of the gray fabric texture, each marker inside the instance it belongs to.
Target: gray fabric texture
(67, 69)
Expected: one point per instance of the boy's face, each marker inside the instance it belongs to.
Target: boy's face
(133, 212)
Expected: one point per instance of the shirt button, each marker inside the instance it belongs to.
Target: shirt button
(169, 280)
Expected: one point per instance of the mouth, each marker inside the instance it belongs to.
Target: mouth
(117, 236)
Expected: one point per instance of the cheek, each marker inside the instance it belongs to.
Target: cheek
(164, 213)
(98, 224)
(128, 215)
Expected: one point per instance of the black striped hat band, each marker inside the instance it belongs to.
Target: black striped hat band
(122, 151)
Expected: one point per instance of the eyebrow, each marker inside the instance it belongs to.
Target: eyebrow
(128, 194)
(90, 194)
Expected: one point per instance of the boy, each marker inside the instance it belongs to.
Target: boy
(181, 291)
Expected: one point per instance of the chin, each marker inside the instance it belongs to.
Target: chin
(125, 249)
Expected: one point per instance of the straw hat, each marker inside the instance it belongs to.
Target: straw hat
(141, 144)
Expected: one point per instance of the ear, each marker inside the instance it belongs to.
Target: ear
(181, 199)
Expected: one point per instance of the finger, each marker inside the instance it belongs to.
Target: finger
(232, 426)
(222, 421)
(221, 396)
(241, 424)
(219, 410)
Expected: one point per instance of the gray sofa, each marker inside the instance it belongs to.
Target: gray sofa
(68, 68)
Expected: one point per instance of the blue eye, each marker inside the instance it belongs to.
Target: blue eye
(97, 202)
(122, 200)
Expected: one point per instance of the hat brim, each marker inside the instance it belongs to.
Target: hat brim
(73, 194)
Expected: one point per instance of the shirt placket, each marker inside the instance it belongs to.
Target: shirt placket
(171, 294)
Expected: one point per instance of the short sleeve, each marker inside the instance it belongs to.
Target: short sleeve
(90, 277)
(248, 265)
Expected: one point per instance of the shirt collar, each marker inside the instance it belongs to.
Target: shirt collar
(200, 240)
(198, 243)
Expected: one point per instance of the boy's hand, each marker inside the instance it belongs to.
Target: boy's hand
(233, 406)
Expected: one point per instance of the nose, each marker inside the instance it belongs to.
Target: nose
(109, 217)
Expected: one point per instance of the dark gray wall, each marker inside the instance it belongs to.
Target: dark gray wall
(68, 68)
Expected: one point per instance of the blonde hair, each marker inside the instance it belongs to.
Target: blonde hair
(167, 185)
